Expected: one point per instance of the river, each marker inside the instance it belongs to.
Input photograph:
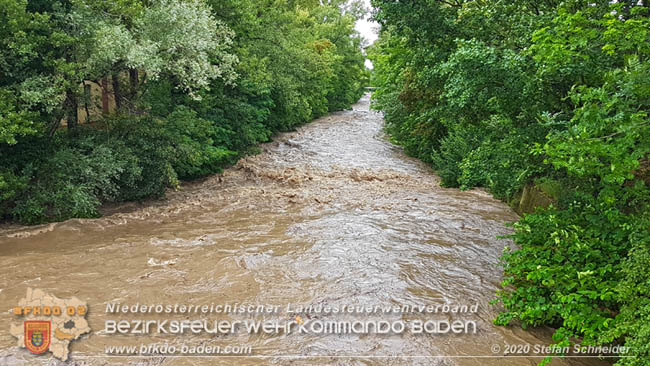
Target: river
(329, 215)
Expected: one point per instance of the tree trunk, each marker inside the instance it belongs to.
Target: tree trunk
(116, 91)
(87, 98)
(71, 109)
(104, 85)
(133, 78)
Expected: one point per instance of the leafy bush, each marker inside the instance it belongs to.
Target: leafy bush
(566, 269)
(453, 149)
(503, 162)
(633, 321)
(192, 140)
(148, 152)
(71, 182)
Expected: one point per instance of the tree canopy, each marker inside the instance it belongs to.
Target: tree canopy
(106, 101)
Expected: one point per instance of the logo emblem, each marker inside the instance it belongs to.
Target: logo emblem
(37, 335)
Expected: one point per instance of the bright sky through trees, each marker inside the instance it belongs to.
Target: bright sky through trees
(368, 30)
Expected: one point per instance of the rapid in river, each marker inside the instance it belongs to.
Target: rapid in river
(330, 215)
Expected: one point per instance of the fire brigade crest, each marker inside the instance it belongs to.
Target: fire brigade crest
(37, 335)
(48, 323)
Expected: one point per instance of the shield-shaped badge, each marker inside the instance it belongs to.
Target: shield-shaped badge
(37, 335)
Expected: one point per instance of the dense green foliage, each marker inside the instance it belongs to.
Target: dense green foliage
(196, 84)
(505, 94)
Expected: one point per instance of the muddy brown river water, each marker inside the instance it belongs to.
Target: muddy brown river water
(331, 215)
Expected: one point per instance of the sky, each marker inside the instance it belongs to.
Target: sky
(368, 30)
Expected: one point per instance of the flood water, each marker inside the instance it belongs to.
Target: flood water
(332, 214)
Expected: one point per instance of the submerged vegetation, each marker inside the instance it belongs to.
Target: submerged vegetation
(553, 95)
(106, 101)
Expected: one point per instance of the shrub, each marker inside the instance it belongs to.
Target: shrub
(566, 269)
(150, 153)
(193, 142)
(453, 149)
(633, 321)
(70, 183)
